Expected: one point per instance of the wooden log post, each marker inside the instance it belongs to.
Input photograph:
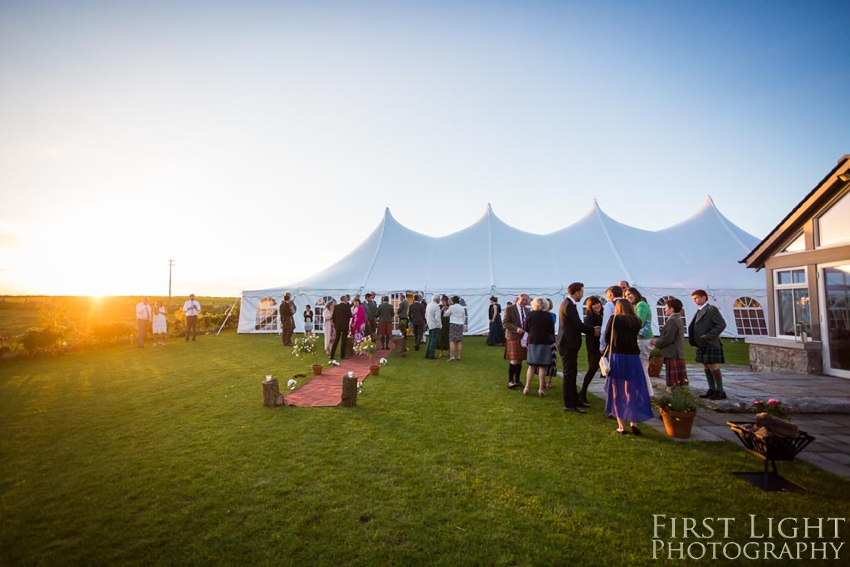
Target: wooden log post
(349, 392)
(271, 393)
(776, 425)
(400, 346)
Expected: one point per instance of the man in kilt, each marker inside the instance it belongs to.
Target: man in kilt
(704, 333)
(671, 343)
(513, 320)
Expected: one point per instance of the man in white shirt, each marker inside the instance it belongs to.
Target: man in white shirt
(143, 320)
(613, 294)
(435, 326)
(191, 308)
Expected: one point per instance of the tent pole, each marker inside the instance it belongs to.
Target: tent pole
(229, 311)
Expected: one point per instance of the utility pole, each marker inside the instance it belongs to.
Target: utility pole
(170, 264)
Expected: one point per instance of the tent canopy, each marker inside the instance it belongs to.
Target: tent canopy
(491, 257)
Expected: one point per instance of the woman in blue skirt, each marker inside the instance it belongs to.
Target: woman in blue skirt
(625, 385)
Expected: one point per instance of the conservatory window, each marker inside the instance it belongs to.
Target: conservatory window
(796, 245)
(749, 317)
(792, 302)
(833, 228)
(266, 319)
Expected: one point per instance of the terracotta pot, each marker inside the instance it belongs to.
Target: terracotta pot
(678, 423)
(655, 366)
(317, 369)
(373, 370)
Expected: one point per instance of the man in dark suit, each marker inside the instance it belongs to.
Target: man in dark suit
(569, 342)
(704, 333)
(341, 319)
(417, 319)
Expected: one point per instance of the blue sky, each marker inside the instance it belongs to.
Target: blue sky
(256, 143)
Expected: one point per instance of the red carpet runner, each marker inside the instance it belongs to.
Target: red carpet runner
(326, 388)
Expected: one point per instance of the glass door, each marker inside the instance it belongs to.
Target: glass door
(835, 319)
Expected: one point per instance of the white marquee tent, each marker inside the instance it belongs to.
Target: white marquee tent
(492, 258)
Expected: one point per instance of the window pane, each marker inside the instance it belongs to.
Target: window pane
(798, 276)
(785, 311)
(801, 307)
(833, 227)
(798, 245)
(783, 277)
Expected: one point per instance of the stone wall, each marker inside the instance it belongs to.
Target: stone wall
(769, 354)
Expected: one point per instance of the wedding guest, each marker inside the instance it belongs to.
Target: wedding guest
(358, 321)
(191, 308)
(644, 313)
(443, 345)
(417, 319)
(385, 314)
(513, 321)
(704, 333)
(592, 318)
(671, 344)
(613, 294)
(403, 315)
(496, 337)
(287, 319)
(456, 314)
(570, 329)
(552, 371)
(625, 385)
(541, 335)
(328, 325)
(433, 318)
(159, 323)
(143, 320)
(308, 320)
(341, 320)
(371, 315)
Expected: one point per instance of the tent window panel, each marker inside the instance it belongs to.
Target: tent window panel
(832, 227)
(266, 318)
(749, 317)
(319, 312)
(659, 311)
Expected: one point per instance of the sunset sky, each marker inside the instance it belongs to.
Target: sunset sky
(256, 143)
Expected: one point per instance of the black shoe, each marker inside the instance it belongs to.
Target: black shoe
(635, 430)
(610, 416)
(721, 395)
(574, 410)
(708, 394)
(512, 385)
(583, 404)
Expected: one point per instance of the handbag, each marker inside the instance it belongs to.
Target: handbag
(605, 362)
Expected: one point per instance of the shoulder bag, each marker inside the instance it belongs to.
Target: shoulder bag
(605, 362)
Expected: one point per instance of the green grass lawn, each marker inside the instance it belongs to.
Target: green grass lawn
(166, 456)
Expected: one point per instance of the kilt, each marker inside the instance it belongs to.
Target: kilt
(710, 355)
(676, 372)
(514, 350)
(385, 328)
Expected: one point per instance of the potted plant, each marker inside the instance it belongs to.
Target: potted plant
(678, 409)
(308, 346)
(656, 362)
(367, 348)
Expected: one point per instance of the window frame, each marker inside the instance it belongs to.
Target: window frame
(792, 286)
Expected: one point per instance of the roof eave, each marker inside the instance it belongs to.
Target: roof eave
(794, 220)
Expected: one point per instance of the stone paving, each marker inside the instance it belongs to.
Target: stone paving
(821, 406)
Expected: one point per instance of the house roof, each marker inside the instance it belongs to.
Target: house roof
(813, 202)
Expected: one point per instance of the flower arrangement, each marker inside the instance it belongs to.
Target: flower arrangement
(367, 348)
(291, 384)
(679, 399)
(307, 346)
(655, 353)
(773, 407)
(333, 362)
(383, 362)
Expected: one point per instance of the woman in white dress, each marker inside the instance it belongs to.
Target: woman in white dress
(328, 326)
(159, 325)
